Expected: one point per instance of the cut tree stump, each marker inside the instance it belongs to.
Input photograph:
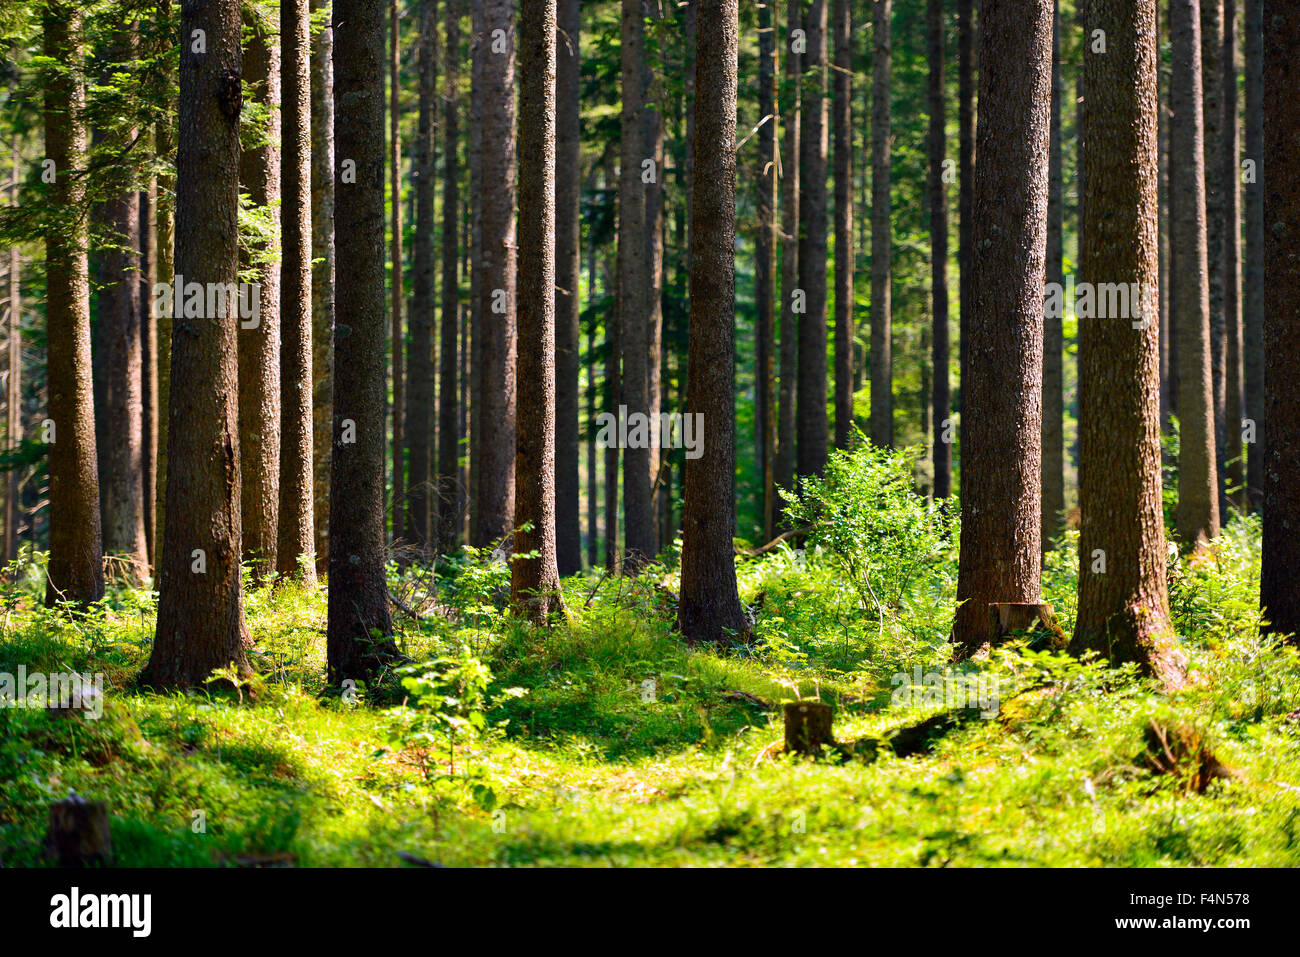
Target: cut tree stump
(1034, 619)
(808, 727)
(78, 834)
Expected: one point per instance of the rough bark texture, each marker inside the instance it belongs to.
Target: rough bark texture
(165, 243)
(941, 395)
(75, 572)
(1053, 452)
(765, 264)
(842, 87)
(451, 498)
(966, 177)
(1123, 601)
(1198, 503)
(810, 457)
(358, 630)
(791, 120)
(1253, 316)
(568, 264)
(710, 609)
(1279, 594)
(322, 277)
(421, 506)
(200, 604)
(535, 581)
(613, 390)
(294, 539)
(395, 281)
(1229, 175)
(496, 446)
(259, 345)
(13, 383)
(149, 365)
(882, 361)
(478, 51)
(1212, 116)
(652, 140)
(1000, 559)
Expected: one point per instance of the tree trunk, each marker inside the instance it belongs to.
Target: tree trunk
(966, 189)
(450, 495)
(842, 86)
(294, 540)
(13, 384)
(496, 446)
(1212, 116)
(1230, 175)
(1278, 592)
(1198, 502)
(568, 265)
(395, 193)
(359, 628)
(1053, 465)
(882, 362)
(322, 278)
(792, 97)
(259, 344)
(1000, 560)
(765, 265)
(709, 607)
(535, 581)
(200, 605)
(165, 243)
(1123, 601)
(149, 366)
(941, 397)
(613, 388)
(652, 138)
(810, 456)
(1253, 319)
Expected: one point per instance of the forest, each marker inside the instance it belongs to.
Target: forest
(653, 433)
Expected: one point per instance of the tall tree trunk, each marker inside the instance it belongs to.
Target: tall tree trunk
(294, 539)
(1253, 319)
(1212, 116)
(419, 423)
(149, 365)
(765, 262)
(1167, 391)
(710, 608)
(1229, 173)
(1198, 503)
(1000, 560)
(613, 388)
(568, 265)
(496, 488)
(322, 278)
(1123, 601)
(1278, 592)
(450, 496)
(395, 192)
(259, 343)
(843, 122)
(1053, 464)
(810, 456)
(652, 138)
(358, 629)
(534, 580)
(941, 397)
(479, 53)
(791, 122)
(13, 382)
(593, 491)
(634, 287)
(966, 189)
(882, 362)
(165, 244)
(200, 604)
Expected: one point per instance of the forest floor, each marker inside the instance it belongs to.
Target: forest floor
(610, 742)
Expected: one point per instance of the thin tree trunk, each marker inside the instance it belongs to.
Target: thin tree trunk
(842, 86)
(613, 389)
(13, 383)
(709, 609)
(322, 278)
(1198, 503)
(200, 606)
(479, 53)
(496, 489)
(765, 262)
(966, 193)
(395, 192)
(1253, 320)
(1233, 371)
(295, 536)
(1053, 464)
(1123, 601)
(1000, 559)
(1212, 116)
(359, 627)
(941, 397)
(810, 456)
(652, 138)
(450, 496)
(568, 265)
(149, 366)
(790, 219)
(259, 341)
(882, 362)
(165, 244)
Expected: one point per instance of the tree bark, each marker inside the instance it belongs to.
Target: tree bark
(359, 628)
(941, 396)
(1053, 465)
(395, 193)
(568, 265)
(882, 361)
(613, 387)
(295, 537)
(322, 278)
(709, 607)
(810, 456)
(791, 121)
(1198, 502)
(652, 138)
(1212, 116)
(842, 86)
(14, 367)
(1000, 560)
(765, 264)
(451, 498)
(200, 606)
(1123, 601)
(1279, 594)
(1234, 402)
(966, 193)
(1253, 317)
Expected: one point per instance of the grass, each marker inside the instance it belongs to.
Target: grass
(591, 765)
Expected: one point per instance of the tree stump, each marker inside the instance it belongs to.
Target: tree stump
(808, 727)
(78, 833)
(1034, 619)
